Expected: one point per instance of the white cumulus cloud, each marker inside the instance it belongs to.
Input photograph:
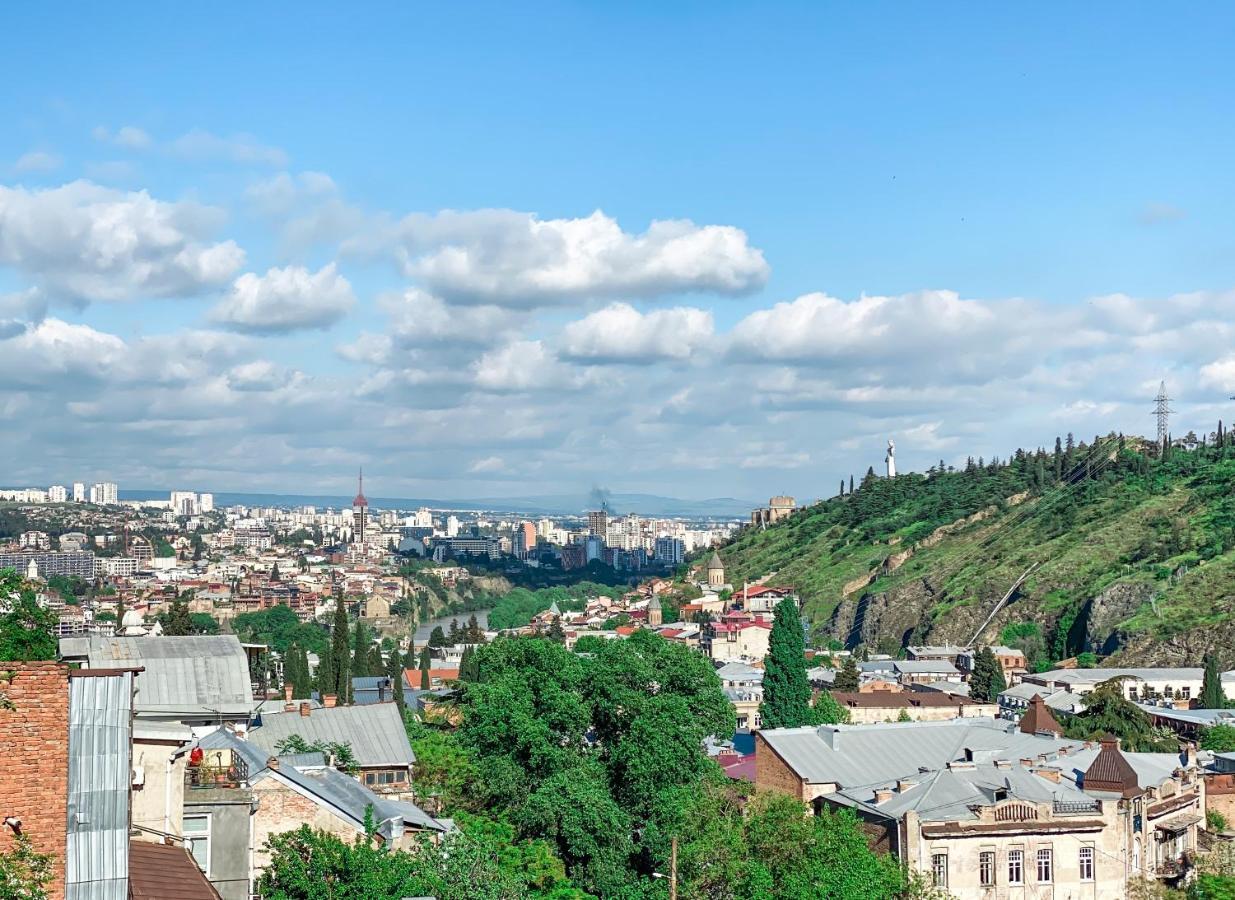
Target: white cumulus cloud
(96, 243)
(621, 333)
(285, 299)
(518, 259)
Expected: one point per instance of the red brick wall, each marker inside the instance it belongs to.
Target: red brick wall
(34, 758)
(772, 772)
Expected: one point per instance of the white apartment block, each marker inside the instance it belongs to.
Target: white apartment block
(79, 492)
(57, 493)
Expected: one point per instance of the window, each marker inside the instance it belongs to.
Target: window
(986, 868)
(1016, 867)
(1087, 864)
(197, 840)
(939, 869)
(1185, 693)
(1132, 694)
(1044, 865)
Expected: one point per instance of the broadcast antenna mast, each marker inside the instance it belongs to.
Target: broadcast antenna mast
(1162, 410)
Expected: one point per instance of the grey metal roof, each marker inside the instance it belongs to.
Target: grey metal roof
(925, 667)
(375, 732)
(1098, 675)
(190, 676)
(851, 755)
(737, 671)
(99, 769)
(329, 785)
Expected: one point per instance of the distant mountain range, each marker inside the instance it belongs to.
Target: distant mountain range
(530, 505)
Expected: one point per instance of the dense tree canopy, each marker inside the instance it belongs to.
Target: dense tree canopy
(27, 630)
(786, 690)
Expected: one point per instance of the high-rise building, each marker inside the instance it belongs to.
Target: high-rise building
(184, 503)
(104, 493)
(525, 539)
(452, 526)
(205, 503)
(598, 523)
(57, 493)
(670, 550)
(360, 512)
(79, 492)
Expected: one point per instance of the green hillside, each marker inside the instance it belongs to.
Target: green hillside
(1133, 554)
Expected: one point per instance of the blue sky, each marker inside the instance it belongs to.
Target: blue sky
(1056, 180)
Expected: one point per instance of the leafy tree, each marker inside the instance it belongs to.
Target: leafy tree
(474, 864)
(1107, 711)
(177, 621)
(279, 627)
(27, 630)
(848, 678)
(827, 711)
(1212, 694)
(786, 690)
(25, 874)
(339, 753)
(1219, 739)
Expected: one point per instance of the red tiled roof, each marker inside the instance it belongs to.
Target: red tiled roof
(164, 872)
(412, 676)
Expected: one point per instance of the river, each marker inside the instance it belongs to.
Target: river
(423, 632)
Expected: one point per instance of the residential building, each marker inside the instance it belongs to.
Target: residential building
(57, 493)
(1162, 685)
(669, 551)
(79, 492)
(738, 639)
(35, 540)
(882, 701)
(1015, 700)
(104, 493)
(239, 794)
(925, 671)
(375, 732)
(598, 523)
(48, 563)
(984, 809)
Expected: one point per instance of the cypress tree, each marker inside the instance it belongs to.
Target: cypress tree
(426, 662)
(340, 650)
(786, 691)
(327, 678)
(986, 682)
(304, 683)
(394, 671)
(1212, 695)
(847, 679)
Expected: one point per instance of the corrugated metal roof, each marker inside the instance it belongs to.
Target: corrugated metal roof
(100, 737)
(869, 754)
(375, 732)
(190, 675)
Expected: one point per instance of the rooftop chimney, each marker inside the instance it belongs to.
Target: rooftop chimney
(1050, 773)
(903, 785)
(1002, 764)
(273, 763)
(329, 700)
(287, 692)
(883, 795)
(305, 708)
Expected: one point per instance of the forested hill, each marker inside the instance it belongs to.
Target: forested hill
(1132, 549)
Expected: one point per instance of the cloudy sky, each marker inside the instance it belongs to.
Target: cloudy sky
(691, 249)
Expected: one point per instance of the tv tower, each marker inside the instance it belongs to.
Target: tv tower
(1162, 410)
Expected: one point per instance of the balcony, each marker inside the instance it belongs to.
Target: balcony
(217, 771)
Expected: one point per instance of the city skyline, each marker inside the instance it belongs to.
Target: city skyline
(695, 252)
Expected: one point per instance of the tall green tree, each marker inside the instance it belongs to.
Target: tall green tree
(1212, 694)
(27, 630)
(786, 690)
(177, 621)
(986, 682)
(848, 678)
(25, 873)
(341, 653)
(426, 663)
(394, 671)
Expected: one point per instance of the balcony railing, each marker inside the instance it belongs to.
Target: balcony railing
(1076, 807)
(218, 773)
